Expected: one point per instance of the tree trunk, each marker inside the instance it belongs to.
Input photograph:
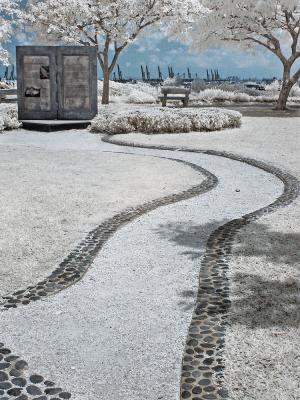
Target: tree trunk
(105, 93)
(106, 76)
(287, 84)
(284, 95)
(107, 68)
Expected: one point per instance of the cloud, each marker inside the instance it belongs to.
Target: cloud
(141, 49)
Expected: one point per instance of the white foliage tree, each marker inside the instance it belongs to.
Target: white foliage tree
(272, 24)
(9, 10)
(111, 25)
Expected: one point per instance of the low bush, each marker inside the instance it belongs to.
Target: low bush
(8, 117)
(139, 93)
(164, 120)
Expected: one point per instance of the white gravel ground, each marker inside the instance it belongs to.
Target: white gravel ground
(120, 332)
(262, 345)
(56, 187)
(139, 301)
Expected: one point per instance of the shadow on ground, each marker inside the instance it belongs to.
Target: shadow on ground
(191, 237)
(265, 303)
(261, 302)
(188, 300)
(276, 247)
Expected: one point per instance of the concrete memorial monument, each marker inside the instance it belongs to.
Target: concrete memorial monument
(57, 85)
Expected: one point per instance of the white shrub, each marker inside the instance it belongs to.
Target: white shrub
(143, 93)
(295, 92)
(169, 82)
(164, 120)
(237, 87)
(4, 85)
(139, 97)
(273, 87)
(213, 96)
(218, 95)
(138, 93)
(198, 85)
(8, 117)
(173, 82)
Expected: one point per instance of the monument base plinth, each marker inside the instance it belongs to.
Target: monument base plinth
(54, 125)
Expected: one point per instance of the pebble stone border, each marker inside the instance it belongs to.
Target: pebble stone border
(203, 363)
(15, 381)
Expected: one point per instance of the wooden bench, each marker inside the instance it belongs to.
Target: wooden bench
(8, 92)
(175, 93)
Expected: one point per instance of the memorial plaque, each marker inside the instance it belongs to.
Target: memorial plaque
(57, 82)
(36, 92)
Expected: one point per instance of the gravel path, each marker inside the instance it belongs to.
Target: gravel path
(262, 342)
(57, 187)
(120, 332)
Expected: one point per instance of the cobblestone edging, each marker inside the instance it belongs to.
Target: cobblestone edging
(203, 364)
(15, 381)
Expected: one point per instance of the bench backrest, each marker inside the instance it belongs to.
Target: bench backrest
(175, 90)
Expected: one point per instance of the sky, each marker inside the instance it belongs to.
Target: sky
(153, 50)
(156, 50)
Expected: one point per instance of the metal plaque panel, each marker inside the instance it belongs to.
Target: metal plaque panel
(77, 82)
(37, 87)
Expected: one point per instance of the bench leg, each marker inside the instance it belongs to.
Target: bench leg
(164, 102)
(185, 102)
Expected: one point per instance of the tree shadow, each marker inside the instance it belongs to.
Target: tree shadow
(263, 303)
(189, 236)
(188, 300)
(259, 303)
(276, 247)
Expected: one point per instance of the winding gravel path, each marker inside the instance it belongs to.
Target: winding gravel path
(121, 331)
